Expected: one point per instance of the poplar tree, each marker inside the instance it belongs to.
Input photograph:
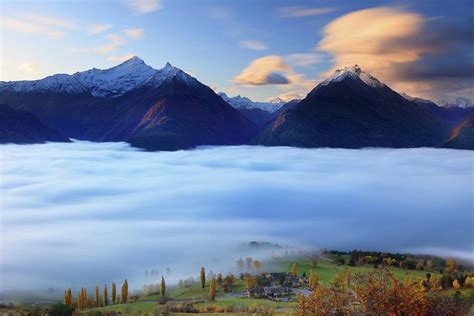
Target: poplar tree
(79, 298)
(105, 295)
(125, 291)
(212, 289)
(69, 296)
(65, 298)
(219, 279)
(114, 293)
(84, 297)
(294, 269)
(97, 296)
(203, 277)
(163, 287)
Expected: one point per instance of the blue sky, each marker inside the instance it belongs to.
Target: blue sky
(402, 43)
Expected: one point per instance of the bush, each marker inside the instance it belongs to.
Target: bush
(61, 310)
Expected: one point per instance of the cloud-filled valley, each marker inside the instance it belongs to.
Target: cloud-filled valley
(82, 213)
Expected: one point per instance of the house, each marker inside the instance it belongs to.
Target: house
(256, 292)
(274, 291)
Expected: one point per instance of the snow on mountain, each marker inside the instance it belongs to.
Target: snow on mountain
(239, 102)
(416, 99)
(112, 82)
(353, 72)
(459, 102)
(59, 82)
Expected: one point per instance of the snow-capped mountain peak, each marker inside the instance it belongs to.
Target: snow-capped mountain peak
(112, 82)
(353, 72)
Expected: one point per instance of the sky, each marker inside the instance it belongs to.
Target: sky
(260, 49)
(80, 214)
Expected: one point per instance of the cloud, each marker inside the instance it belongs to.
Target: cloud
(28, 67)
(99, 28)
(288, 96)
(108, 212)
(412, 53)
(134, 33)
(28, 26)
(253, 45)
(114, 42)
(120, 58)
(264, 70)
(296, 11)
(143, 6)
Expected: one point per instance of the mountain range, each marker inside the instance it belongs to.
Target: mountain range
(167, 109)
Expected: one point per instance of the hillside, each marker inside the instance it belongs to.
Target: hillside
(21, 127)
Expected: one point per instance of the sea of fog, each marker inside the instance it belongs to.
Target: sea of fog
(84, 213)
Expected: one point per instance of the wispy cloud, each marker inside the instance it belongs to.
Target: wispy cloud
(134, 33)
(120, 58)
(143, 6)
(99, 28)
(114, 41)
(288, 96)
(253, 45)
(296, 11)
(35, 24)
(28, 67)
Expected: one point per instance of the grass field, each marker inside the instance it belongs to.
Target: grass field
(326, 270)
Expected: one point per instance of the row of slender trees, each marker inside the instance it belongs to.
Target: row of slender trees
(84, 301)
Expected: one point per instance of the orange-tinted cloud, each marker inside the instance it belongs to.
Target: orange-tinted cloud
(404, 49)
(265, 70)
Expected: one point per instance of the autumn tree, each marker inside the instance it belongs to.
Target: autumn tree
(451, 265)
(114, 293)
(69, 296)
(250, 281)
(220, 280)
(429, 264)
(125, 291)
(212, 289)
(203, 277)
(105, 297)
(79, 298)
(420, 263)
(257, 265)
(313, 280)
(294, 269)
(97, 296)
(163, 288)
(456, 284)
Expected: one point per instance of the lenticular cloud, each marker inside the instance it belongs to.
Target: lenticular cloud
(86, 213)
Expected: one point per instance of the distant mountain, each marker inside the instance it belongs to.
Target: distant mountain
(458, 102)
(352, 109)
(21, 127)
(164, 109)
(262, 117)
(240, 103)
(462, 137)
(453, 114)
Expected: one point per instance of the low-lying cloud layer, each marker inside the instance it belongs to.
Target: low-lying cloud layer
(84, 214)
